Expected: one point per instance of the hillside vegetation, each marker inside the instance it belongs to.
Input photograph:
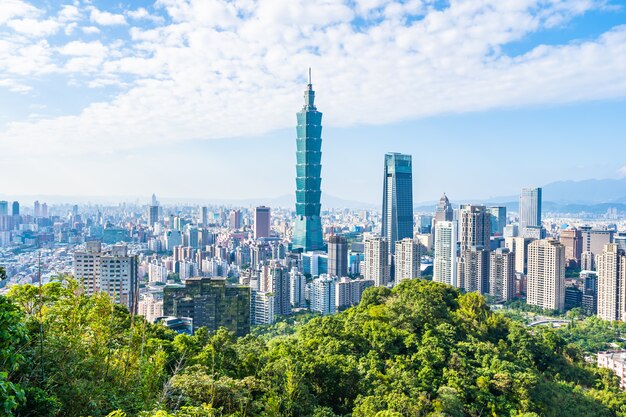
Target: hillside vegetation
(421, 349)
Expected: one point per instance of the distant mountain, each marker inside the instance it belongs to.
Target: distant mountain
(587, 191)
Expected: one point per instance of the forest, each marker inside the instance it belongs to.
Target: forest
(419, 349)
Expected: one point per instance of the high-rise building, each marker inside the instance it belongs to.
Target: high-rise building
(611, 268)
(546, 274)
(281, 288)
(210, 303)
(44, 210)
(474, 227)
(529, 209)
(337, 256)
(36, 209)
(261, 222)
(235, 219)
(297, 285)
(594, 240)
(307, 234)
(323, 298)
(377, 261)
(473, 270)
(444, 212)
(407, 260)
(262, 307)
(4, 208)
(153, 214)
(204, 217)
(16, 208)
(444, 263)
(348, 292)
(502, 274)
(498, 220)
(397, 220)
(572, 239)
(118, 276)
(519, 246)
(114, 272)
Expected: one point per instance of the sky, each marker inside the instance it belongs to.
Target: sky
(197, 98)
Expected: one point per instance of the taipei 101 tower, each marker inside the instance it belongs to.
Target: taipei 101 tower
(308, 226)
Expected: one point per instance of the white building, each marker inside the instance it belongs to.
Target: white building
(348, 292)
(614, 360)
(323, 297)
(261, 307)
(611, 269)
(296, 291)
(151, 305)
(407, 260)
(546, 274)
(377, 266)
(444, 263)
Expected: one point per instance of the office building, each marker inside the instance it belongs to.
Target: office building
(502, 275)
(594, 240)
(529, 209)
(546, 274)
(444, 263)
(444, 212)
(210, 303)
(153, 215)
(36, 209)
(407, 260)
(590, 293)
(498, 220)
(572, 239)
(377, 266)
(307, 234)
(323, 298)
(573, 298)
(15, 208)
(611, 269)
(397, 220)
(204, 217)
(87, 266)
(261, 222)
(337, 256)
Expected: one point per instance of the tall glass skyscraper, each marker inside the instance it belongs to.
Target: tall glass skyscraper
(529, 208)
(397, 198)
(308, 226)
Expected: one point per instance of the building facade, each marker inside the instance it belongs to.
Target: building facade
(444, 263)
(546, 274)
(611, 269)
(397, 220)
(307, 234)
(407, 260)
(377, 266)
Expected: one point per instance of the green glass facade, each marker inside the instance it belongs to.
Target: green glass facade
(308, 226)
(211, 303)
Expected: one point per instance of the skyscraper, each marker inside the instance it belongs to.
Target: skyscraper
(444, 264)
(16, 208)
(498, 220)
(397, 198)
(611, 265)
(529, 209)
(444, 212)
(307, 234)
(473, 270)
(546, 274)
(261, 222)
(337, 256)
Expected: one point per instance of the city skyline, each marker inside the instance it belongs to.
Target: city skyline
(94, 90)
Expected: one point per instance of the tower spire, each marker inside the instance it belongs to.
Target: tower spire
(310, 76)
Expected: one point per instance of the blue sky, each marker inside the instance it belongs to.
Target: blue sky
(198, 98)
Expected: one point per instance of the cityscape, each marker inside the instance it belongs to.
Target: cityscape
(157, 305)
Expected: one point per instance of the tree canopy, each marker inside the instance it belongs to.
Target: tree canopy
(420, 349)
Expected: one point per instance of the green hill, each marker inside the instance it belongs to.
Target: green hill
(421, 349)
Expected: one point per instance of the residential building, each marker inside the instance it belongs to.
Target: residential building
(407, 260)
(377, 266)
(444, 263)
(546, 274)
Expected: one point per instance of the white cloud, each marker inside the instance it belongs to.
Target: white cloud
(104, 18)
(228, 69)
(10, 9)
(622, 171)
(14, 86)
(34, 27)
(143, 14)
(90, 30)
